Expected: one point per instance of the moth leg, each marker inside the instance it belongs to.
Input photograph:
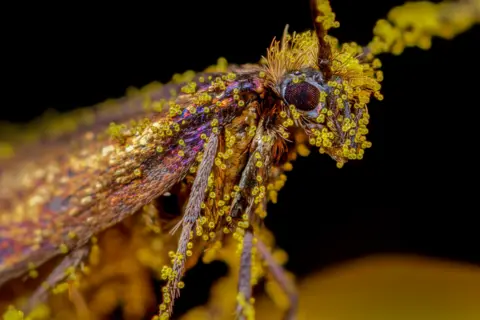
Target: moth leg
(58, 274)
(78, 301)
(280, 276)
(262, 150)
(244, 307)
(192, 213)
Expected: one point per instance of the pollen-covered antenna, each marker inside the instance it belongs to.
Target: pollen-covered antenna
(324, 51)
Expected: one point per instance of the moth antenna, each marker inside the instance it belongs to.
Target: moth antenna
(281, 278)
(324, 50)
(192, 213)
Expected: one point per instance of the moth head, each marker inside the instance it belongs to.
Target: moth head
(325, 112)
(322, 89)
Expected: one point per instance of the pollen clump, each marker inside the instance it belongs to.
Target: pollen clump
(13, 314)
(414, 24)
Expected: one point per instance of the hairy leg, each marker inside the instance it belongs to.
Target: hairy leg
(279, 275)
(244, 308)
(71, 261)
(192, 213)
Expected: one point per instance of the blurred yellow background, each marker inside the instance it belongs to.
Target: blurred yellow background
(387, 288)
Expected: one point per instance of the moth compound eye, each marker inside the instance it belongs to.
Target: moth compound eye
(303, 96)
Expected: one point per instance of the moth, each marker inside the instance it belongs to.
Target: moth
(226, 135)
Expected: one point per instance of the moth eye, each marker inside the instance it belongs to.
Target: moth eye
(303, 95)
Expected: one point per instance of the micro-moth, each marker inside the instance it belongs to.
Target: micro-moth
(227, 136)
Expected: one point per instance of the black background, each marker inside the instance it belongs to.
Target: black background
(414, 192)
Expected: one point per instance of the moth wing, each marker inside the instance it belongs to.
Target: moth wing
(59, 191)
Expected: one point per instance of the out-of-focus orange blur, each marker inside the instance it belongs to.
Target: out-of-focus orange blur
(387, 288)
